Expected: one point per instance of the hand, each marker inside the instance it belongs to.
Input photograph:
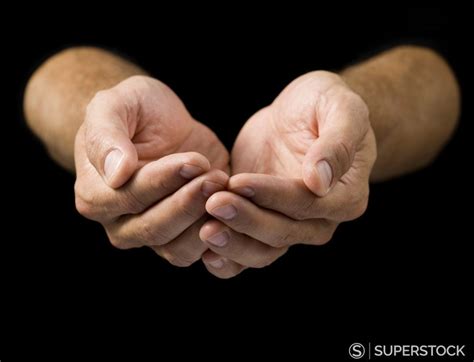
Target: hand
(301, 166)
(144, 169)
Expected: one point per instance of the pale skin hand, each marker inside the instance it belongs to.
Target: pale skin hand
(145, 169)
(301, 166)
(281, 192)
(155, 194)
(414, 103)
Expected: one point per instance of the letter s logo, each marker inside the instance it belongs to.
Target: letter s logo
(356, 351)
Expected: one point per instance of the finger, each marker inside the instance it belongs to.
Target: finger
(267, 226)
(292, 198)
(170, 217)
(186, 249)
(163, 177)
(237, 246)
(108, 133)
(150, 184)
(221, 267)
(342, 127)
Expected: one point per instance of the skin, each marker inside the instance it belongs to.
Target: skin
(152, 175)
(153, 191)
(145, 173)
(315, 146)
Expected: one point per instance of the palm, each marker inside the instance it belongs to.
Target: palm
(268, 145)
(276, 139)
(164, 126)
(163, 137)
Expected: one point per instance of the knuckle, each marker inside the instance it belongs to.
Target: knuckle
(89, 204)
(160, 183)
(178, 258)
(284, 239)
(325, 237)
(152, 234)
(305, 211)
(360, 208)
(359, 205)
(131, 203)
(190, 206)
(320, 233)
(320, 238)
(119, 242)
(84, 208)
(328, 233)
(86, 203)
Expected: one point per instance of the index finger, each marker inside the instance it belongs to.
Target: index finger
(149, 185)
(291, 197)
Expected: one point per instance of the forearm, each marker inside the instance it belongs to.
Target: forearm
(414, 103)
(58, 92)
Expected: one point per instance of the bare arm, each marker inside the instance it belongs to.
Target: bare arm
(144, 166)
(59, 91)
(402, 105)
(414, 103)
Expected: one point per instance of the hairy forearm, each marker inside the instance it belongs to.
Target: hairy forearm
(58, 92)
(414, 103)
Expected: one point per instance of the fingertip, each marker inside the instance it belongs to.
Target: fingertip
(242, 184)
(189, 171)
(213, 182)
(312, 179)
(240, 178)
(209, 257)
(245, 191)
(217, 199)
(210, 228)
(222, 176)
(119, 166)
(197, 159)
(219, 266)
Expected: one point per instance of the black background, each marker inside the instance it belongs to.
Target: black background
(400, 274)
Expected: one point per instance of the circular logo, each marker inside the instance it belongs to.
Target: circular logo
(356, 350)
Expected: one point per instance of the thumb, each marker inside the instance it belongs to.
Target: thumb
(326, 161)
(108, 143)
(332, 153)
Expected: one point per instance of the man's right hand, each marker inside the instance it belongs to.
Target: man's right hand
(145, 169)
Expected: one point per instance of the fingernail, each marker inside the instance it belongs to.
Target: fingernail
(226, 212)
(219, 239)
(218, 263)
(112, 163)
(190, 171)
(208, 188)
(245, 191)
(325, 175)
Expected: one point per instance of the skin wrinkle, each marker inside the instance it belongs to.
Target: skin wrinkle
(410, 93)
